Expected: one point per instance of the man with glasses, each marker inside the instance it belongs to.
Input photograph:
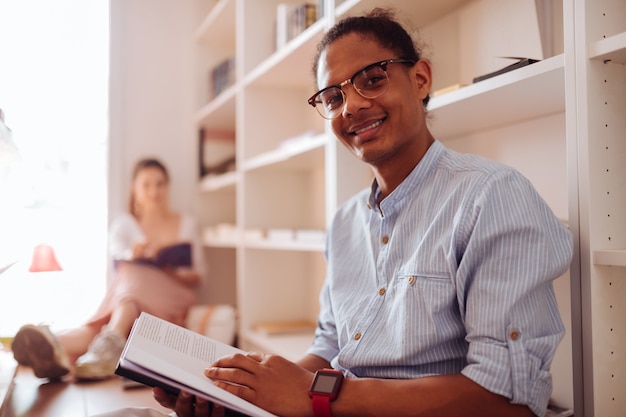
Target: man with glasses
(438, 298)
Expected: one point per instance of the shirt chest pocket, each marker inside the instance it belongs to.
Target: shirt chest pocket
(429, 298)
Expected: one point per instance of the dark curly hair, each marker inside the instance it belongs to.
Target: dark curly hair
(379, 24)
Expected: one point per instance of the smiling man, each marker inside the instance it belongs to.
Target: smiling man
(438, 299)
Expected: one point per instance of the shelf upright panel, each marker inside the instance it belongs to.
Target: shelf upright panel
(601, 89)
(215, 42)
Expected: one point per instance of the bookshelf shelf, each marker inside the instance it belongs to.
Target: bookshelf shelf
(517, 88)
(285, 245)
(219, 182)
(218, 27)
(217, 243)
(607, 257)
(612, 48)
(291, 346)
(302, 155)
(219, 113)
(420, 15)
(290, 66)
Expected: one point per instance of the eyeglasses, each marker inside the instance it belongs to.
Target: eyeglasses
(370, 82)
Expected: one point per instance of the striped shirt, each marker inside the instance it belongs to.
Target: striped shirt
(450, 273)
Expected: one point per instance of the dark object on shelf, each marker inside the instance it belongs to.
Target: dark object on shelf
(291, 20)
(222, 76)
(216, 151)
(522, 62)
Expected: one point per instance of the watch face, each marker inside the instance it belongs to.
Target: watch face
(325, 383)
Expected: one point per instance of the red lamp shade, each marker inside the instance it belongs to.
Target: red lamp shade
(44, 259)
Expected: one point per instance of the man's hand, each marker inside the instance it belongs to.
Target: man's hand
(268, 381)
(186, 405)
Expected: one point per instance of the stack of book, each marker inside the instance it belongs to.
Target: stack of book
(217, 151)
(291, 20)
(222, 76)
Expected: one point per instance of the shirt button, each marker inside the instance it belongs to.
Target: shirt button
(385, 239)
(381, 291)
(357, 336)
(411, 280)
(514, 335)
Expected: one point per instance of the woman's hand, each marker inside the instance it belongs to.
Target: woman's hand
(185, 275)
(142, 250)
(186, 405)
(268, 381)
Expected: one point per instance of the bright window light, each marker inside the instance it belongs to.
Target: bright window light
(54, 95)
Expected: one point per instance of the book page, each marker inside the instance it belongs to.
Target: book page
(178, 356)
(164, 338)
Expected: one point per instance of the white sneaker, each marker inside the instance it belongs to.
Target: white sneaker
(101, 358)
(38, 348)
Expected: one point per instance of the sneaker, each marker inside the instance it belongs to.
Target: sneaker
(101, 358)
(38, 348)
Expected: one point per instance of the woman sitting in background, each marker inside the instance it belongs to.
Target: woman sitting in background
(166, 292)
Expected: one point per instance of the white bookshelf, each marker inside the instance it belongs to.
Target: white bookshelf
(559, 121)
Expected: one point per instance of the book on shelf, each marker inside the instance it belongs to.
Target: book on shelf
(222, 76)
(521, 62)
(172, 256)
(217, 151)
(255, 235)
(220, 232)
(291, 20)
(275, 328)
(310, 235)
(280, 235)
(448, 89)
(162, 354)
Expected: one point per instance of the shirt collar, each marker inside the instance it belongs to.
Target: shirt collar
(411, 182)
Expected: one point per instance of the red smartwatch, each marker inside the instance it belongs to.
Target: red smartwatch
(324, 389)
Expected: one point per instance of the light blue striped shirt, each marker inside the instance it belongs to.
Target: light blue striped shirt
(452, 273)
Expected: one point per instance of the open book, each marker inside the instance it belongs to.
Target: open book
(173, 256)
(159, 353)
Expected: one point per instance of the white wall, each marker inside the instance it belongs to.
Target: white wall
(151, 96)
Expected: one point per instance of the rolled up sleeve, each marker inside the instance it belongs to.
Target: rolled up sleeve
(516, 249)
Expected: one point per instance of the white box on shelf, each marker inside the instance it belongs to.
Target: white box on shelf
(310, 235)
(280, 235)
(253, 235)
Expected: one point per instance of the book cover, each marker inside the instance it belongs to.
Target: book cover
(173, 256)
(160, 353)
(522, 62)
(291, 20)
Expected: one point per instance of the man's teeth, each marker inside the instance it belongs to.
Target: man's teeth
(373, 125)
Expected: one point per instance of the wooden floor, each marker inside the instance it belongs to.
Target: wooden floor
(30, 396)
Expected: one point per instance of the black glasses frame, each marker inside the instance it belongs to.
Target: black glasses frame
(314, 99)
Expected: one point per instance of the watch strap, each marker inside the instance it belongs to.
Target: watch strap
(321, 405)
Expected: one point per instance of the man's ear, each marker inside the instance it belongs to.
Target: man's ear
(422, 72)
